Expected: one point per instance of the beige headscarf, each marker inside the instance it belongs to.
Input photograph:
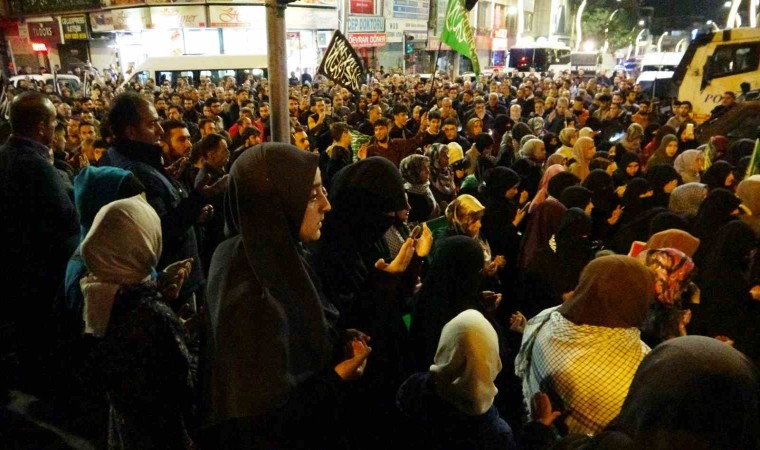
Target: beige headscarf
(122, 247)
(467, 362)
(613, 291)
(580, 167)
(673, 238)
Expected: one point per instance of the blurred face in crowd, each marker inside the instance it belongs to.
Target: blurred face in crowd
(671, 149)
(401, 118)
(148, 130)
(179, 143)
(632, 169)
(64, 110)
(174, 114)
(302, 140)
(381, 133)
(88, 134)
(684, 110)
(434, 125)
(316, 208)
(292, 106)
(72, 129)
(187, 103)
(160, 105)
(208, 128)
(539, 108)
(374, 113)
(218, 157)
(450, 131)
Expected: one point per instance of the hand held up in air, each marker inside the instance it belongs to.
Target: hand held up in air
(401, 261)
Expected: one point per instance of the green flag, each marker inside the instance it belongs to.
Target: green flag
(457, 32)
(357, 140)
(754, 163)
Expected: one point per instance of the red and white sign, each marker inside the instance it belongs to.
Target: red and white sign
(47, 32)
(362, 7)
(366, 40)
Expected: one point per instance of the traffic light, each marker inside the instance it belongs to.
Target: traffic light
(408, 44)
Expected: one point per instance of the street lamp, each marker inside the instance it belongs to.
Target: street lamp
(607, 29)
(578, 27)
(636, 42)
(659, 41)
(733, 20)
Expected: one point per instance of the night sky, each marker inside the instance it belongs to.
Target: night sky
(705, 8)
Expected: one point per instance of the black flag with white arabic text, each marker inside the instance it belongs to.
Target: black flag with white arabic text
(342, 65)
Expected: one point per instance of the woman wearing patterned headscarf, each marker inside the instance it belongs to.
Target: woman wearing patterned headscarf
(689, 165)
(441, 174)
(668, 318)
(415, 169)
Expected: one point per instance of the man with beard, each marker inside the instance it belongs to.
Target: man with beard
(395, 149)
(368, 126)
(262, 123)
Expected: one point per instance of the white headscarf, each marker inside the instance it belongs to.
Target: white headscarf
(467, 362)
(121, 248)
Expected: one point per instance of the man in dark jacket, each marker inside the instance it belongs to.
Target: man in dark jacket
(39, 227)
(137, 133)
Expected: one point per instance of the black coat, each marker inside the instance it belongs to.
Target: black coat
(39, 229)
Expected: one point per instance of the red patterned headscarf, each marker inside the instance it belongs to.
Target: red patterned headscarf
(672, 269)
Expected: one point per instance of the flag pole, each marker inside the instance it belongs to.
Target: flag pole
(435, 64)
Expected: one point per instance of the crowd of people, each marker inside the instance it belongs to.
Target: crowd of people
(515, 262)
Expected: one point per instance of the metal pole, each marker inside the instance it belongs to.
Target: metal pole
(278, 72)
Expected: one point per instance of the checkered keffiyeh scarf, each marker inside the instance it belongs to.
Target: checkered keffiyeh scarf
(587, 368)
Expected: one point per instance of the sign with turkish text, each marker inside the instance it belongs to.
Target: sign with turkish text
(166, 17)
(365, 24)
(367, 40)
(131, 19)
(233, 16)
(411, 9)
(46, 32)
(342, 65)
(75, 28)
(101, 21)
(361, 7)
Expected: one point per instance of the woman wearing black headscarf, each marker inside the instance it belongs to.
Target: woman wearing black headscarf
(606, 210)
(629, 167)
(272, 373)
(636, 199)
(577, 197)
(719, 207)
(453, 284)
(543, 222)
(557, 266)
(366, 198)
(729, 302)
(663, 179)
(719, 175)
(501, 217)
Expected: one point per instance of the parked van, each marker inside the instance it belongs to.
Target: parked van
(657, 69)
(193, 67)
(70, 81)
(541, 57)
(715, 63)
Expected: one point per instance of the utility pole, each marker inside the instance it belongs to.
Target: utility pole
(278, 71)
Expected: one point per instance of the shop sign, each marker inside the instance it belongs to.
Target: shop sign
(358, 24)
(366, 40)
(230, 16)
(44, 32)
(135, 19)
(168, 17)
(411, 9)
(396, 28)
(361, 7)
(75, 28)
(101, 21)
(499, 44)
(22, 7)
(310, 3)
(111, 3)
(299, 18)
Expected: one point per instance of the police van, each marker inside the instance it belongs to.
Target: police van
(715, 63)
